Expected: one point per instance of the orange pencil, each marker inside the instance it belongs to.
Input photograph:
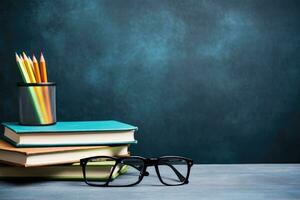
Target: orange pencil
(43, 69)
(43, 73)
(36, 70)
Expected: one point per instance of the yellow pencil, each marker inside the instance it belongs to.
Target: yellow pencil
(31, 65)
(29, 68)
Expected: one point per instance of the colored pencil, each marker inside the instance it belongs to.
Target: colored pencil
(29, 69)
(22, 69)
(32, 67)
(44, 78)
(43, 69)
(36, 69)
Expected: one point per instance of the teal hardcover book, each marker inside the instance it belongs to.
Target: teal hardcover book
(76, 133)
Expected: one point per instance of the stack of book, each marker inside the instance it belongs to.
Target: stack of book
(54, 152)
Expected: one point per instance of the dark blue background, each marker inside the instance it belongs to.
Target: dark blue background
(217, 81)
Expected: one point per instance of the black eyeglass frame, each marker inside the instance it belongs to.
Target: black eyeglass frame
(147, 162)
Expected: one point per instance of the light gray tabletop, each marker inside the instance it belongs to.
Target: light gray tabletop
(255, 181)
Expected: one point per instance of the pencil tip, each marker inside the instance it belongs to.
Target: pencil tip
(34, 58)
(20, 56)
(42, 57)
(24, 55)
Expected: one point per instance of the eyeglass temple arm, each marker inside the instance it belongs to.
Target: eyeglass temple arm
(178, 174)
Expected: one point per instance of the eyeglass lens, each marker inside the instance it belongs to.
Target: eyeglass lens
(173, 171)
(129, 170)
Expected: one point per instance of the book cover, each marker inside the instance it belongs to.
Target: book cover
(77, 133)
(72, 126)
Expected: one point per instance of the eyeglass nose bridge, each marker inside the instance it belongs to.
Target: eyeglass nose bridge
(151, 161)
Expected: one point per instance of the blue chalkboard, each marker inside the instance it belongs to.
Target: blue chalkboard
(217, 81)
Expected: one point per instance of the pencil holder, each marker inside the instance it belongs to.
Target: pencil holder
(37, 103)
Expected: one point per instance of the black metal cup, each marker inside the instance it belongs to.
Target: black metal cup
(37, 103)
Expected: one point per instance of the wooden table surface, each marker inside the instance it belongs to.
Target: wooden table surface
(230, 182)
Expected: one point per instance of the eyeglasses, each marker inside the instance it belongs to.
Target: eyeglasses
(129, 171)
